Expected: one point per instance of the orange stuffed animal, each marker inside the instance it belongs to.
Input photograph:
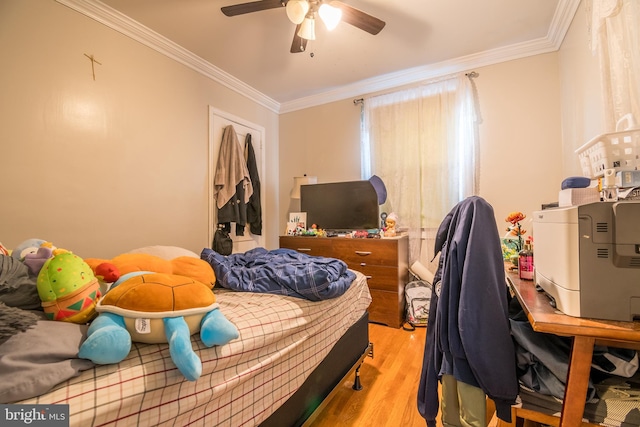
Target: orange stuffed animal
(110, 270)
(155, 300)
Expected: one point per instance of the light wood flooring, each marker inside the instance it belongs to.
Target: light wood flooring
(389, 385)
(389, 380)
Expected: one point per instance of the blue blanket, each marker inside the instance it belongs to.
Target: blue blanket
(282, 272)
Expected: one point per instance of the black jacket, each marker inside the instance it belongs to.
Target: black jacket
(254, 209)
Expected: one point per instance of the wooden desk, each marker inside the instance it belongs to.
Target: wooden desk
(585, 333)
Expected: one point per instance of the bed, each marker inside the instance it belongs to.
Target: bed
(291, 353)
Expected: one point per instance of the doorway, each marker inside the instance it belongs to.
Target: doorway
(218, 120)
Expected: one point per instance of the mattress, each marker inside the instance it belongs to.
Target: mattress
(282, 340)
(344, 359)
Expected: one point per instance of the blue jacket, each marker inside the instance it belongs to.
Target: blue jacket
(468, 333)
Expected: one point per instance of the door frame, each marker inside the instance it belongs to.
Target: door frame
(219, 119)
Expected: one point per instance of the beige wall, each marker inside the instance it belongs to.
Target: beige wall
(322, 141)
(520, 135)
(536, 112)
(520, 138)
(101, 167)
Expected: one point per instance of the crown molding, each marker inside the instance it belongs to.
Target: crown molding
(104, 14)
(565, 11)
(562, 18)
(422, 73)
(123, 24)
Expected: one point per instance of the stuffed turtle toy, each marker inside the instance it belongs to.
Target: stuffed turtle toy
(154, 307)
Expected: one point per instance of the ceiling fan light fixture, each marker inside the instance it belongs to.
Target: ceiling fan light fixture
(297, 10)
(330, 15)
(308, 29)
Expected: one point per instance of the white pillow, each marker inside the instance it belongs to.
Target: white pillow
(165, 252)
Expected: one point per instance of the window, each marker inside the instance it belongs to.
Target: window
(422, 142)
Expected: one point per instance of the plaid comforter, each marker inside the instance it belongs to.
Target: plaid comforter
(282, 340)
(282, 272)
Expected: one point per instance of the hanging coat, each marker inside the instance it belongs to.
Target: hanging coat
(469, 335)
(254, 208)
(232, 183)
(235, 210)
(231, 170)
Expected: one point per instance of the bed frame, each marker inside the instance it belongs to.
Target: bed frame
(345, 358)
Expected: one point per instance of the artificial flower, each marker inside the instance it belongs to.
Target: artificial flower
(515, 217)
(515, 228)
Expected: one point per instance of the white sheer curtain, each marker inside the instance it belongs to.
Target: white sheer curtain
(615, 38)
(423, 143)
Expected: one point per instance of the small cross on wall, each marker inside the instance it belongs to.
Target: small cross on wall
(93, 62)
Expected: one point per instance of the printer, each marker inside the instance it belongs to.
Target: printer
(587, 259)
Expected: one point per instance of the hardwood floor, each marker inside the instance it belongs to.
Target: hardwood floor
(389, 385)
(389, 380)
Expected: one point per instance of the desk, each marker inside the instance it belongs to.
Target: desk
(585, 333)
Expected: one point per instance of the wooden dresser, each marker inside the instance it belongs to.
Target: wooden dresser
(385, 262)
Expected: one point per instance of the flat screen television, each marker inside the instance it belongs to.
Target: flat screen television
(341, 206)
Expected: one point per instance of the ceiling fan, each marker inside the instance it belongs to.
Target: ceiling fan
(303, 13)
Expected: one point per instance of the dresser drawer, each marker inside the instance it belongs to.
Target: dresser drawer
(383, 278)
(367, 252)
(308, 245)
(382, 261)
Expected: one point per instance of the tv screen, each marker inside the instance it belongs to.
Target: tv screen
(351, 205)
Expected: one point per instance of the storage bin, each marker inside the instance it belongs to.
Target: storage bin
(617, 150)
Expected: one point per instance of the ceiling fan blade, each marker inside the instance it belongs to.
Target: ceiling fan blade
(359, 19)
(254, 6)
(298, 44)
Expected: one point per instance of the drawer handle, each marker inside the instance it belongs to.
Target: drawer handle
(303, 250)
(363, 264)
(369, 277)
(363, 253)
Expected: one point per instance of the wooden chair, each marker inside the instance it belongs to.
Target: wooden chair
(521, 417)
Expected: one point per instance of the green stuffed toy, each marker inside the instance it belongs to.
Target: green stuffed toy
(68, 289)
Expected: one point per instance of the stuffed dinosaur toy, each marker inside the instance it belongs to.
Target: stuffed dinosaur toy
(154, 301)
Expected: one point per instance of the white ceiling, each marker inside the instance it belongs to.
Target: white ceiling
(421, 39)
